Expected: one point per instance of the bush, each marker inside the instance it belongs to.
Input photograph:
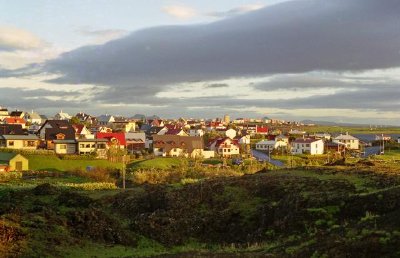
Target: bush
(98, 174)
(8, 176)
(91, 186)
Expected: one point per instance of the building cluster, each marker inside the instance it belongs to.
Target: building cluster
(83, 134)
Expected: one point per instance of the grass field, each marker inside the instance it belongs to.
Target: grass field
(351, 130)
(156, 163)
(53, 163)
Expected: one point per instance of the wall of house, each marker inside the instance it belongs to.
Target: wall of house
(19, 158)
(21, 145)
(65, 148)
(159, 152)
(350, 144)
(317, 148)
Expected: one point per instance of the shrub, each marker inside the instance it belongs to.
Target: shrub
(91, 186)
(8, 176)
(98, 174)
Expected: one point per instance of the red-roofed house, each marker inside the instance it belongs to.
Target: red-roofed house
(308, 146)
(225, 147)
(81, 132)
(261, 129)
(176, 132)
(116, 139)
(15, 121)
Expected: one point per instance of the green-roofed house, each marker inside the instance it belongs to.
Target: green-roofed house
(13, 162)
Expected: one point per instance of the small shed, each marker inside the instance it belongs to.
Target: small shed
(13, 161)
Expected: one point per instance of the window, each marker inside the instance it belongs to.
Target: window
(307, 145)
(81, 145)
(63, 146)
(10, 143)
(30, 143)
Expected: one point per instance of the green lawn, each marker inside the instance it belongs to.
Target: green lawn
(53, 163)
(157, 163)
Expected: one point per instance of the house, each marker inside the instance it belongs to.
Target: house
(155, 122)
(33, 118)
(85, 118)
(3, 113)
(135, 141)
(81, 132)
(90, 146)
(282, 138)
(351, 142)
(225, 147)
(20, 142)
(49, 124)
(105, 120)
(113, 139)
(159, 130)
(176, 145)
(269, 145)
(296, 132)
(13, 162)
(17, 113)
(15, 121)
(215, 125)
(310, 146)
(261, 129)
(243, 139)
(64, 146)
(196, 132)
(62, 116)
(231, 133)
(179, 131)
(60, 130)
(124, 125)
(324, 136)
(11, 129)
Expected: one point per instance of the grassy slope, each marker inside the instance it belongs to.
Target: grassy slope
(287, 212)
(156, 163)
(53, 163)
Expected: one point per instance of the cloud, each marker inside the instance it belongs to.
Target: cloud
(289, 45)
(12, 38)
(236, 11)
(180, 11)
(291, 37)
(102, 36)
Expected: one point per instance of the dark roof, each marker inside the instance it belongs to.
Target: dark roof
(61, 124)
(11, 129)
(7, 156)
(176, 141)
(51, 133)
(16, 113)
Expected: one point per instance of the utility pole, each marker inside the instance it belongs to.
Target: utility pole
(123, 171)
(383, 145)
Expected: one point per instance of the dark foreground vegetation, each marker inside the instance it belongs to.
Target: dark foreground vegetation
(321, 212)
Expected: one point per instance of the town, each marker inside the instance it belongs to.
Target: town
(139, 136)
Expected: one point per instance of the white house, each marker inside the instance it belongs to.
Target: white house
(105, 120)
(196, 132)
(350, 141)
(62, 116)
(225, 147)
(33, 118)
(269, 145)
(308, 146)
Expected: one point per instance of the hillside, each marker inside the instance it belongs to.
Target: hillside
(325, 212)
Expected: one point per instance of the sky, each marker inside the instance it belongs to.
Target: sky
(331, 60)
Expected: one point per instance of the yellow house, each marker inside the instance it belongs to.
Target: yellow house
(20, 142)
(13, 161)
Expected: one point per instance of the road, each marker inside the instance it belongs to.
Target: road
(264, 157)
